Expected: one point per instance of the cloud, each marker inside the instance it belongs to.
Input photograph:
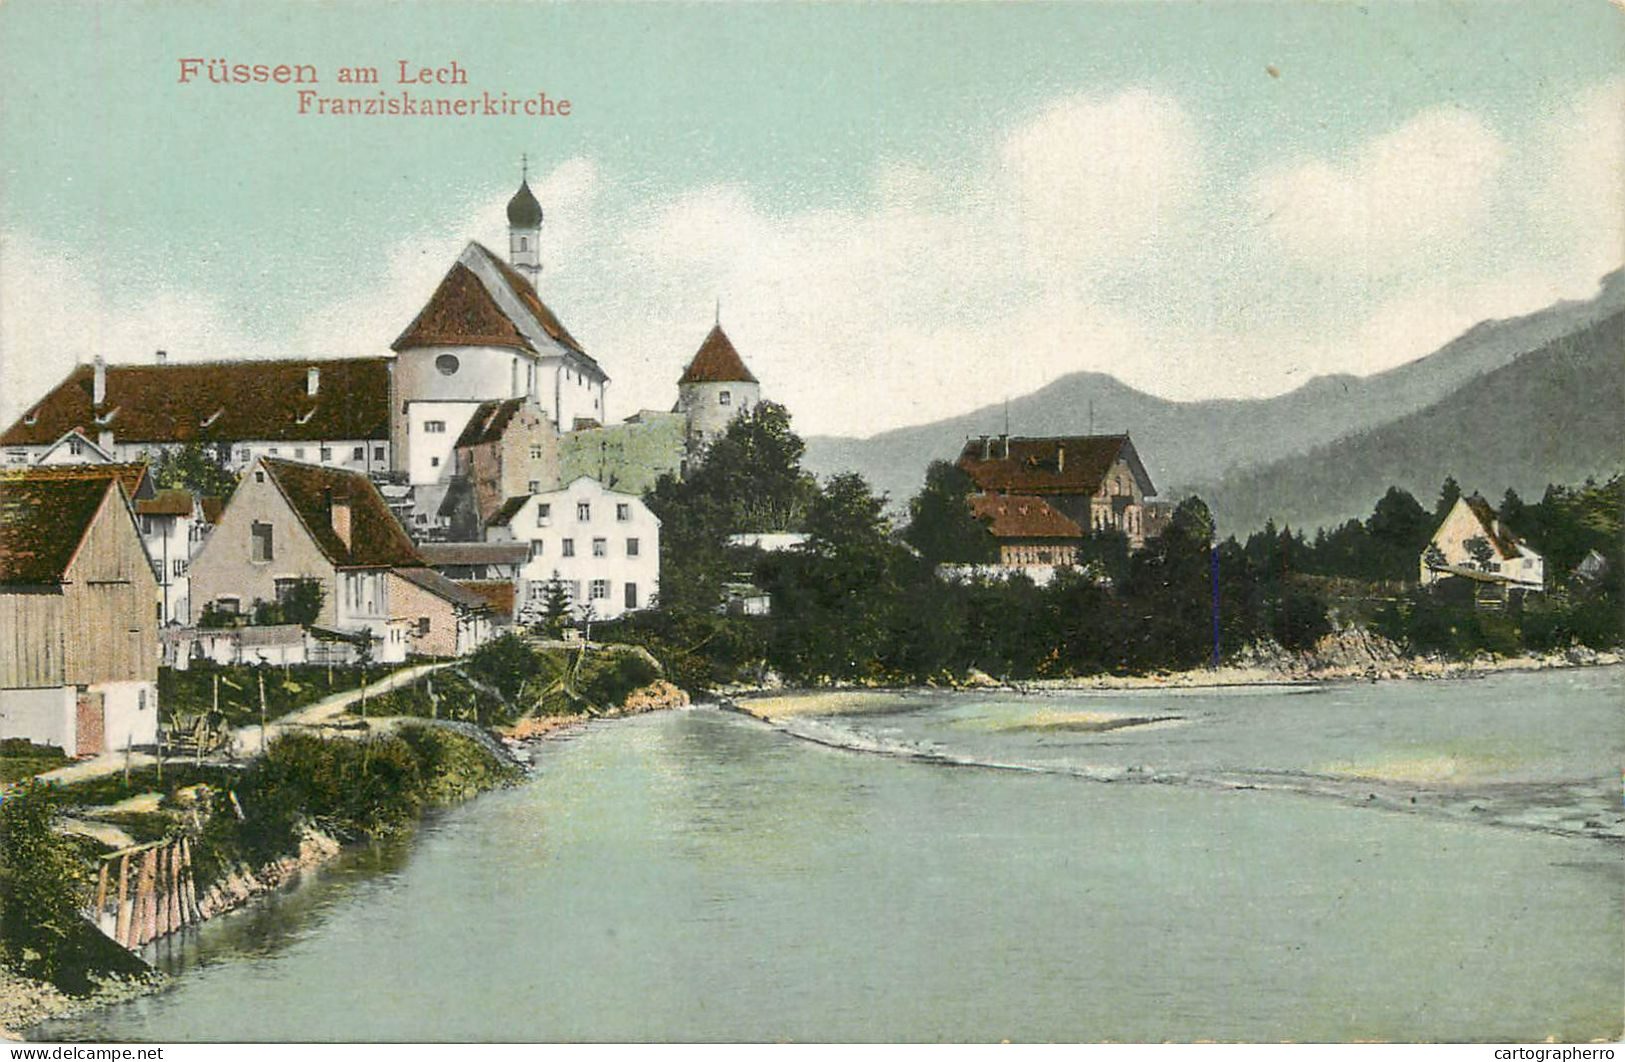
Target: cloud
(1579, 193)
(1413, 192)
(1093, 234)
(53, 316)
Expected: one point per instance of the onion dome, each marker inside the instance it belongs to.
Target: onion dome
(524, 212)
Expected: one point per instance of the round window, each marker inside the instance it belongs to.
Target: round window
(447, 364)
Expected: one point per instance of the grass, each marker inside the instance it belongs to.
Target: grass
(21, 759)
(287, 689)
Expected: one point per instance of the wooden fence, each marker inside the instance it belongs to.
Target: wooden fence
(146, 892)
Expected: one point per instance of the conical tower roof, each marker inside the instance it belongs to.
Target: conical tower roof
(717, 362)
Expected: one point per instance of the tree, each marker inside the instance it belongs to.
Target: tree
(941, 525)
(302, 603)
(192, 467)
(43, 883)
(555, 607)
(1399, 527)
(1448, 493)
(1483, 554)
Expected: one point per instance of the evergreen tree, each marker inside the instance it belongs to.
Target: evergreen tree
(555, 607)
(941, 525)
(1448, 493)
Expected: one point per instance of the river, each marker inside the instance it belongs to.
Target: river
(1256, 869)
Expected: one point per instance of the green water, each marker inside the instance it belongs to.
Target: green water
(700, 876)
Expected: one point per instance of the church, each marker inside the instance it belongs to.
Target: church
(483, 337)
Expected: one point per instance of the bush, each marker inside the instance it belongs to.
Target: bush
(43, 885)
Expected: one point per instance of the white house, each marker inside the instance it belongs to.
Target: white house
(173, 529)
(1473, 542)
(603, 544)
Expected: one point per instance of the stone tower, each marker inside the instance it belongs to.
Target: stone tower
(715, 388)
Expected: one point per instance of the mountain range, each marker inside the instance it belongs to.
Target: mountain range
(1517, 402)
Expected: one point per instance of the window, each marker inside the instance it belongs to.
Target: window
(538, 591)
(260, 546)
(242, 454)
(434, 427)
(535, 452)
(600, 547)
(574, 586)
(141, 699)
(179, 568)
(327, 453)
(447, 364)
(534, 486)
(600, 589)
(259, 476)
(423, 626)
(631, 595)
(524, 243)
(299, 452)
(623, 511)
(583, 511)
(272, 451)
(75, 447)
(724, 398)
(568, 547)
(535, 548)
(231, 606)
(358, 454)
(377, 453)
(631, 547)
(544, 514)
(434, 462)
(146, 525)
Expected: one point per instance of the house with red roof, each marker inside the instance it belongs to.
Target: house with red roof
(291, 523)
(716, 387)
(78, 623)
(1096, 481)
(1029, 531)
(327, 411)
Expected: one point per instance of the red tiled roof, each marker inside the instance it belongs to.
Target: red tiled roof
(133, 476)
(498, 593)
(169, 502)
(447, 590)
(377, 539)
(220, 402)
(717, 362)
(466, 310)
(1023, 516)
(509, 510)
(489, 421)
(461, 313)
(42, 521)
(449, 554)
(1068, 464)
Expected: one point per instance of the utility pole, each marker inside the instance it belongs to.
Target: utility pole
(1213, 553)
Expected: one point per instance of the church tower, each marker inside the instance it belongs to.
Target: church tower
(716, 387)
(525, 231)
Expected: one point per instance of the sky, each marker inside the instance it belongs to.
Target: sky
(905, 211)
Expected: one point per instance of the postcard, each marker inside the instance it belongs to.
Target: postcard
(746, 522)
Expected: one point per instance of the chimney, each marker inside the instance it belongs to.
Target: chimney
(1004, 447)
(1060, 458)
(338, 514)
(313, 380)
(986, 451)
(98, 393)
(163, 357)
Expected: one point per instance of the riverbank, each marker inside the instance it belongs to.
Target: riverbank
(1353, 655)
(453, 772)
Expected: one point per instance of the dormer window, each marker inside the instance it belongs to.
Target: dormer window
(725, 398)
(212, 417)
(31, 417)
(304, 418)
(107, 418)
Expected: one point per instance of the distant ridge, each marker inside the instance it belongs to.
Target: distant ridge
(1185, 444)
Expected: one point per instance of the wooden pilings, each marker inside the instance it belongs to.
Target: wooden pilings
(155, 894)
